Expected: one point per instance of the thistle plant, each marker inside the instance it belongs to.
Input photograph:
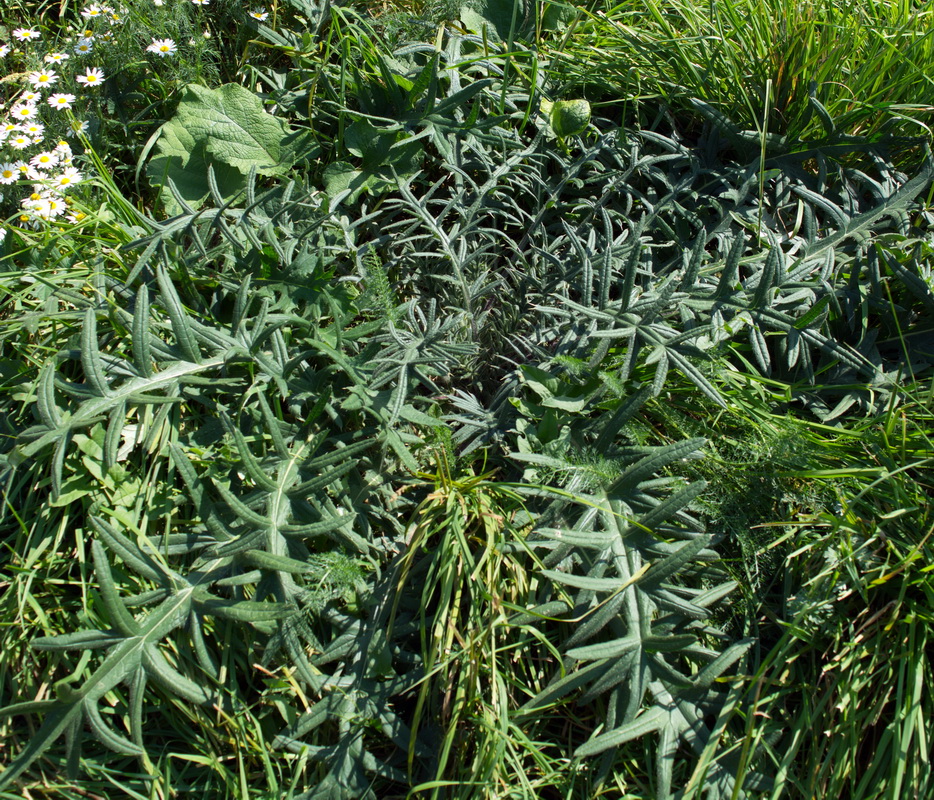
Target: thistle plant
(364, 438)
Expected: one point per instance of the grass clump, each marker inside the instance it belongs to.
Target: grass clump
(855, 627)
(763, 63)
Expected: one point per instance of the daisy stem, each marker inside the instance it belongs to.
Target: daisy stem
(131, 215)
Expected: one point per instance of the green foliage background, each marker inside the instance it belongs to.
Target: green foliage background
(403, 422)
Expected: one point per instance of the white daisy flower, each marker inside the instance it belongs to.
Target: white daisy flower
(44, 160)
(75, 127)
(27, 171)
(162, 47)
(29, 203)
(34, 129)
(63, 149)
(56, 206)
(23, 111)
(4, 50)
(20, 141)
(61, 100)
(8, 173)
(43, 78)
(29, 97)
(93, 77)
(30, 222)
(25, 34)
(49, 207)
(84, 45)
(56, 58)
(68, 177)
(76, 218)
(260, 14)
(201, 2)
(92, 11)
